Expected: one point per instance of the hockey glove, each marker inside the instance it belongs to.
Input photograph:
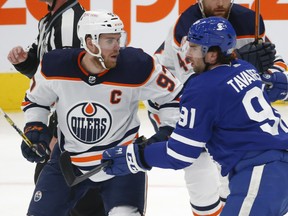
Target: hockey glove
(162, 134)
(39, 135)
(261, 55)
(125, 159)
(276, 85)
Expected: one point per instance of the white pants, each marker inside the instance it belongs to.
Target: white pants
(205, 185)
(124, 211)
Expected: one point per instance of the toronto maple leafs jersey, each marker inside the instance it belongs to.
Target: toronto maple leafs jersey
(172, 53)
(225, 111)
(96, 112)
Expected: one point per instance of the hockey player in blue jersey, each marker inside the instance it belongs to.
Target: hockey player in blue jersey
(208, 191)
(224, 110)
(96, 92)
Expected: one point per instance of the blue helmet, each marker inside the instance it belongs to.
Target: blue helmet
(213, 31)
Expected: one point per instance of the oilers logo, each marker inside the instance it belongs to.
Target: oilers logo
(89, 122)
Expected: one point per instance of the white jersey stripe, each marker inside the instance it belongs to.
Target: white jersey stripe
(252, 191)
(67, 20)
(52, 39)
(178, 156)
(187, 141)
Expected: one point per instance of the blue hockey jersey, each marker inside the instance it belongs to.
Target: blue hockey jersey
(225, 111)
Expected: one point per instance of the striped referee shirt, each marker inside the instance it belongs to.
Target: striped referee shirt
(57, 31)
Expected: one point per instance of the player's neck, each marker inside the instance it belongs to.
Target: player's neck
(91, 64)
(211, 67)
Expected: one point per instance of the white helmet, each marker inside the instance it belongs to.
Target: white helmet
(99, 22)
(201, 6)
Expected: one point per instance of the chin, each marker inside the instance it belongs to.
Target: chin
(223, 15)
(111, 65)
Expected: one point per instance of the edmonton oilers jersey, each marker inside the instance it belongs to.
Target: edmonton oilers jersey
(96, 112)
(172, 53)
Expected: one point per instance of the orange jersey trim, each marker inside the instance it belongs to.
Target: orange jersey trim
(249, 36)
(94, 157)
(83, 70)
(281, 64)
(213, 214)
(25, 103)
(156, 117)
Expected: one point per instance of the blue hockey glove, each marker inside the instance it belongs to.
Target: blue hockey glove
(261, 55)
(276, 85)
(39, 135)
(125, 159)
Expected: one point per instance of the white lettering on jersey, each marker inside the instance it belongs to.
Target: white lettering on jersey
(186, 117)
(263, 114)
(243, 80)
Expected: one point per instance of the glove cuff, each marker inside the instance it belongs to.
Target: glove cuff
(134, 161)
(35, 125)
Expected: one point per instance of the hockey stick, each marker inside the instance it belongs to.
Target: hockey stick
(68, 170)
(257, 20)
(24, 137)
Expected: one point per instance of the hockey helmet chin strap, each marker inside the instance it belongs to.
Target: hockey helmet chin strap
(98, 55)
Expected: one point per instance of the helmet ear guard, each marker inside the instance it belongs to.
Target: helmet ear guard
(213, 31)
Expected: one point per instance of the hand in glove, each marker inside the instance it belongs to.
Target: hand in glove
(126, 159)
(261, 55)
(162, 134)
(39, 135)
(276, 85)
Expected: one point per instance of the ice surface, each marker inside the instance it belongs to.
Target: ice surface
(167, 194)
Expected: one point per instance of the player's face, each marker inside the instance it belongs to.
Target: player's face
(110, 46)
(194, 55)
(217, 7)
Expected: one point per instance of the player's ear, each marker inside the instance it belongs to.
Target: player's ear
(211, 57)
(91, 45)
(89, 42)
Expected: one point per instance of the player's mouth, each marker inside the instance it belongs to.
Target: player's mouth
(219, 12)
(114, 57)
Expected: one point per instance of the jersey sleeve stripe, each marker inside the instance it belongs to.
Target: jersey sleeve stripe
(187, 141)
(179, 156)
(282, 65)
